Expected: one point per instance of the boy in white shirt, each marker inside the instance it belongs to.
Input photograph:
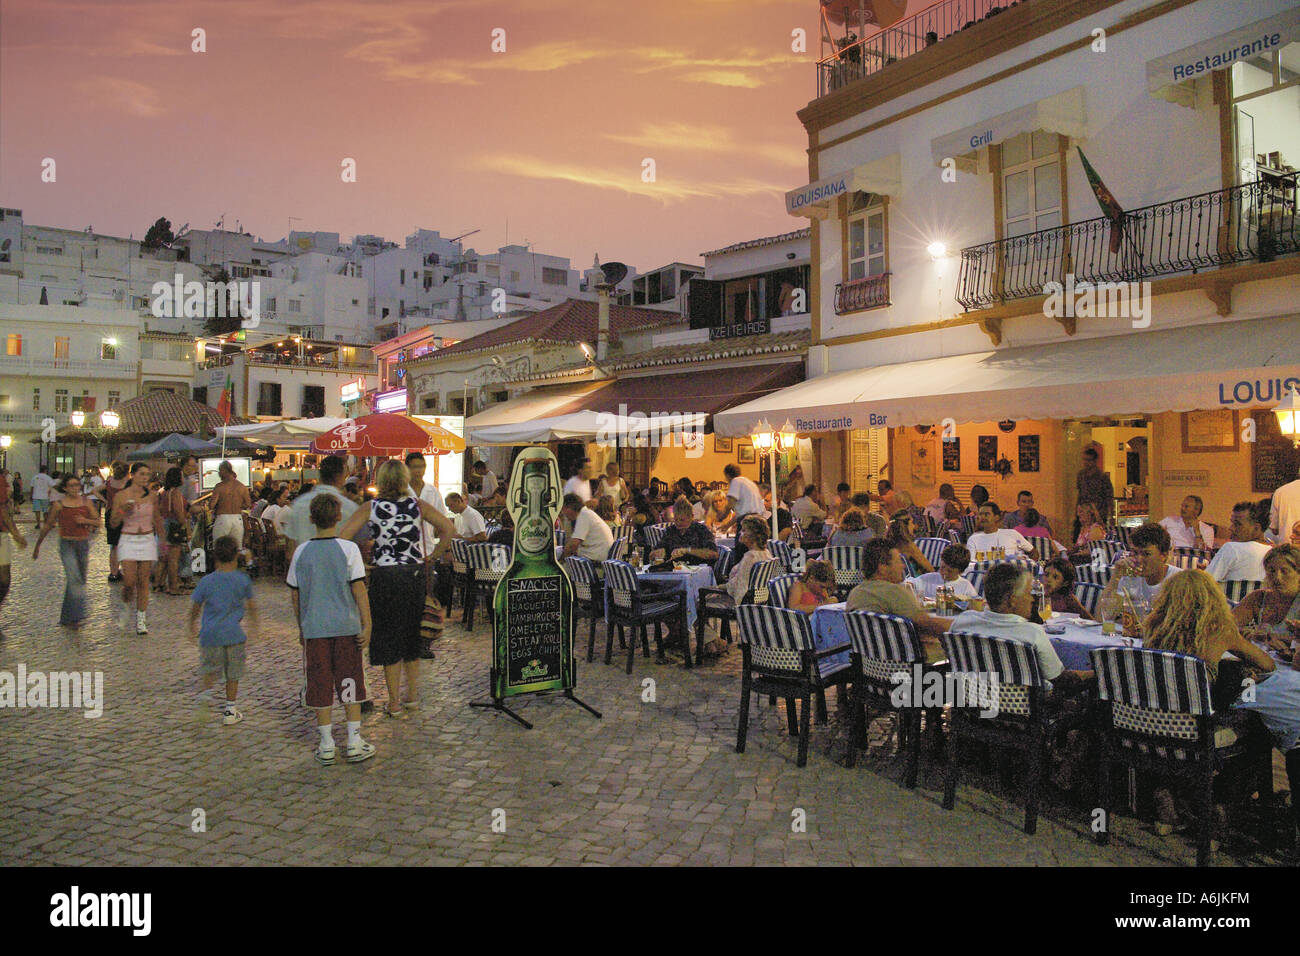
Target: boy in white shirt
(952, 563)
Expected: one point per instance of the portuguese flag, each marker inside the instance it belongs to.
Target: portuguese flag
(225, 404)
(1110, 208)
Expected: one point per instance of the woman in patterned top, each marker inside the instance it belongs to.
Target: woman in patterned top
(397, 580)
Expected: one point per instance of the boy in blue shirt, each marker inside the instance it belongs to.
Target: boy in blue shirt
(222, 597)
(330, 601)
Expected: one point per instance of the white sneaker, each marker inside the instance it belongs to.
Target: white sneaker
(359, 751)
(325, 757)
(140, 626)
(230, 716)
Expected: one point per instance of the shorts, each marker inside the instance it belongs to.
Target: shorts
(40, 505)
(6, 549)
(137, 547)
(333, 666)
(226, 661)
(396, 611)
(228, 526)
(114, 535)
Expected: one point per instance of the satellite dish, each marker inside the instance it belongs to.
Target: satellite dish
(615, 272)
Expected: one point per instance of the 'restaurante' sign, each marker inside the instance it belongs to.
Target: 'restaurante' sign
(1221, 52)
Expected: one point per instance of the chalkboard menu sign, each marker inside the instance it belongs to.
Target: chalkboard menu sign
(1274, 460)
(1029, 453)
(951, 454)
(988, 452)
(535, 633)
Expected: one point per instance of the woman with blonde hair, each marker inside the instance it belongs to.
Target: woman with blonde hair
(718, 512)
(397, 581)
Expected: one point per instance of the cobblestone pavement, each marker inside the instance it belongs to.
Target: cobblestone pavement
(651, 783)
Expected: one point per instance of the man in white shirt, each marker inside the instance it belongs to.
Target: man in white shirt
(469, 523)
(1151, 547)
(1285, 511)
(743, 496)
(487, 480)
(591, 537)
(426, 492)
(580, 484)
(42, 485)
(992, 535)
(808, 508)
(1187, 530)
(1008, 592)
(1242, 558)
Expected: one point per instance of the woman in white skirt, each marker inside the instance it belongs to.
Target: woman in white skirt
(137, 510)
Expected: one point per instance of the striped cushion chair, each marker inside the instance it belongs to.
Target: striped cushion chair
(781, 659)
(1092, 574)
(1105, 552)
(1088, 595)
(716, 602)
(782, 552)
(560, 538)
(932, 548)
(620, 549)
(1188, 558)
(886, 646)
(654, 534)
(588, 594)
(460, 568)
(1154, 713)
(487, 563)
(778, 589)
(983, 663)
(626, 605)
(1122, 533)
(846, 564)
(968, 525)
(1044, 548)
(976, 579)
(1236, 589)
(625, 531)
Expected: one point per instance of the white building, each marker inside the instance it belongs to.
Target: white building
(946, 190)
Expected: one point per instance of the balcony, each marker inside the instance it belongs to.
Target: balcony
(81, 368)
(857, 59)
(861, 295)
(1254, 222)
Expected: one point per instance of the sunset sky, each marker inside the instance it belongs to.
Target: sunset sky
(549, 135)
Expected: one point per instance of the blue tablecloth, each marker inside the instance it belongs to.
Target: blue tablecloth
(830, 630)
(701, 576)
(1075, 646)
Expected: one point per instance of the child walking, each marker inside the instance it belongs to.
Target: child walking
(222, 597)
(330, 601)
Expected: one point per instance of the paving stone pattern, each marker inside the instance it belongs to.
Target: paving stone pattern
(651, 783)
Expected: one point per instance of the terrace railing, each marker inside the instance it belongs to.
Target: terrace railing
(1252, 222)
(859, 295)
(871, 54)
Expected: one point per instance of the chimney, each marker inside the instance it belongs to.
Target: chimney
(602, 312)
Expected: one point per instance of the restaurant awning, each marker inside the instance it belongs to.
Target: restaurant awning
(884, 177)
(1240, 364)
(1170, 77)
(626, 430)
(1065, 113)
(540, 403)
(293, 433)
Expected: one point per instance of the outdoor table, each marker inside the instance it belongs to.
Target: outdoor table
(830, 629)
(1075, 646)
(1034, 567)
(690, 581)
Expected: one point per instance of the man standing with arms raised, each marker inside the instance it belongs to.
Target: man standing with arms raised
(230, 500)
(743, 496)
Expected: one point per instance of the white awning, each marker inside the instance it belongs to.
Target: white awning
(625, 430)
(1170, 77)
(1218, 365)
(1065, 113)
(530, 406)
(884, 177)
(296, 432)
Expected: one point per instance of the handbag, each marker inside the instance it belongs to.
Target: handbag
(431, 622)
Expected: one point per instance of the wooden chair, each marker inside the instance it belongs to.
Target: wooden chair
(780, 658)
(1154, 713)
(627, 607)
(1010, 668)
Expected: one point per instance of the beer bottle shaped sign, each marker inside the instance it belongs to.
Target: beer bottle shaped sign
(533, 603)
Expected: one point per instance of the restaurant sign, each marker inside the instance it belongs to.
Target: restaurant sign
(391, 401)
(1187, 477)
(734, 330)
(352, 391)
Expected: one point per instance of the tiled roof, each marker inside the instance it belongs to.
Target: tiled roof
(573, 320)
(804, 233)
(161, 413)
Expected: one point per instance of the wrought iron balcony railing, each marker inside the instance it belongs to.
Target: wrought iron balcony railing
(1252, 222)
(861, 58)
(859, 295)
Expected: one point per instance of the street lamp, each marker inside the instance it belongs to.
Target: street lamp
(109, 418)
(767, 439)
(78, 418)
(1288, 416)
(5, 442)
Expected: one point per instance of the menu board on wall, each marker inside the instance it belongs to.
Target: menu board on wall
(952, 454)
(1029, 453)
(988, 452)
(1274, 460)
